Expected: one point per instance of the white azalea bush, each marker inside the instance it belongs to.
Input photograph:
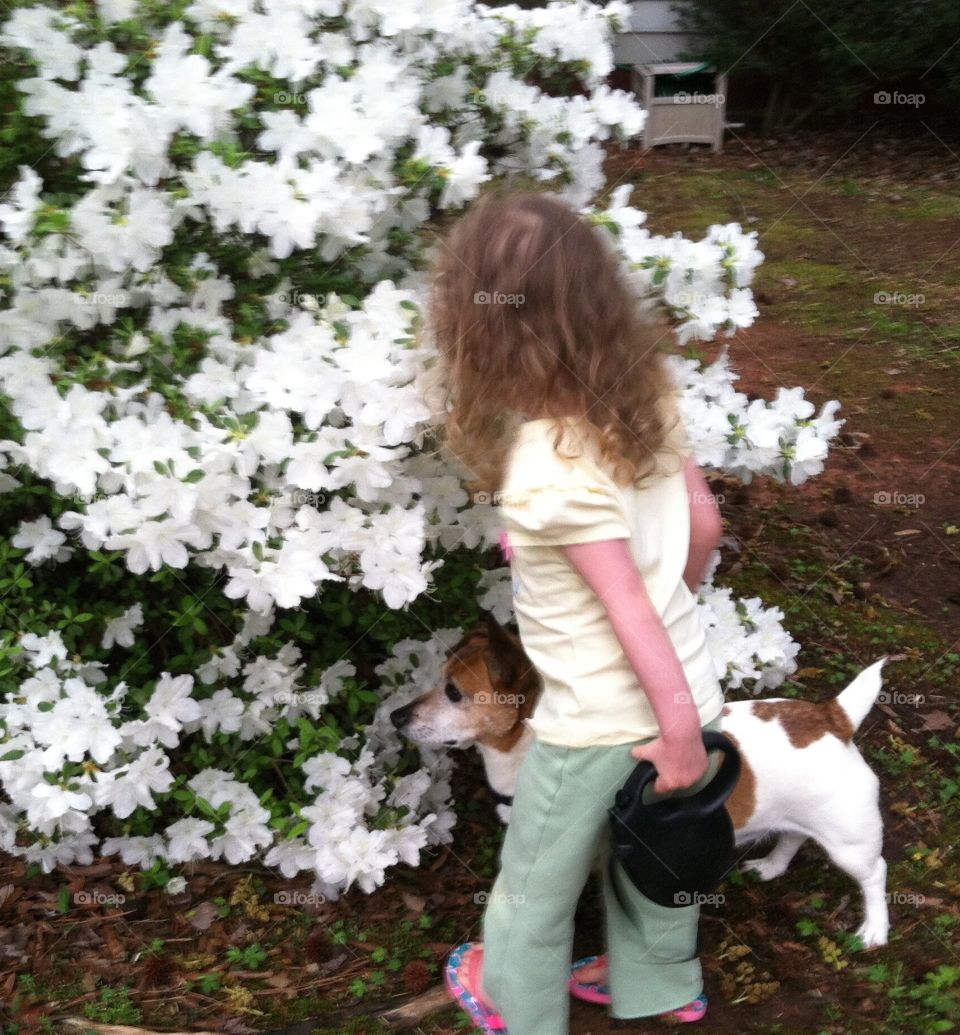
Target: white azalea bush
(233, 547)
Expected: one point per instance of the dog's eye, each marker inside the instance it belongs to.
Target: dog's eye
(452, 692)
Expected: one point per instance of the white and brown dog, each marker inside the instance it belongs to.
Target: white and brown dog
(801, 774)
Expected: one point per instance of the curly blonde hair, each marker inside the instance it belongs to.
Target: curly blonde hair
(533, 316)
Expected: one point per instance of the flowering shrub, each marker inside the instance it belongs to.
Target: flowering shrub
(230, 529)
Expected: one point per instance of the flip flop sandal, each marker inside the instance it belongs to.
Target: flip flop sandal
(486, 1020)
(693, 1011)
(589, 991)
(595, 992)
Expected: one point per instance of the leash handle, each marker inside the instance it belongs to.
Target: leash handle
(706, 801)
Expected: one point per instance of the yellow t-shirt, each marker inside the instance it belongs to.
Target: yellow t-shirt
(591, 695)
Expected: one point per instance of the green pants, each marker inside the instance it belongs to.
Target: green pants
(558, 826)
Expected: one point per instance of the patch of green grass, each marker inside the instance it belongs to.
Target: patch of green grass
(929, 206)
(49, 991)
(297, 1009)
(926, 1006)
(113, 1006)
(781, 236)
(688, 203)
(909, 329)
(486, 859)
(850, 188)
(811, 277)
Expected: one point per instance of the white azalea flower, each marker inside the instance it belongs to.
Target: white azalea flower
(187, 839)
(221, 712)
(38, 30)
(158, 543)
(169, 707)
(41, 651)
(52, 801)
(245, 832)
(190, 96)
(120, 630)
(41, 541)
(17, 217)
(135, 850)
(463, 176)
(134, 784)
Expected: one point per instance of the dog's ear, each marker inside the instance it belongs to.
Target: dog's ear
(503, 658)
(470, 635)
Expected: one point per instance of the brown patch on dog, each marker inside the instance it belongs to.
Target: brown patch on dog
(806, 722)
(726, 710)
(742, 802)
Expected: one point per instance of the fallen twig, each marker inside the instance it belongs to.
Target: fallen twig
(394, 1018)
(123, 1029)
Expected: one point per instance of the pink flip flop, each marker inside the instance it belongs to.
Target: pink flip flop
(486, 1020)
(595, 992)
(589, 991)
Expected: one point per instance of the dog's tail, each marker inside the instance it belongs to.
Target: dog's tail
(861, 695)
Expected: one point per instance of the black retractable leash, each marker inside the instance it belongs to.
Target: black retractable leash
(675, 849)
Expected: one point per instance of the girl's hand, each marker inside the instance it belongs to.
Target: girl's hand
(679, 762)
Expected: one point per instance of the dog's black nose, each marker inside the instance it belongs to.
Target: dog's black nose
(401, 716)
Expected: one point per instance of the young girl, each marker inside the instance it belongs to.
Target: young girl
(560, 403)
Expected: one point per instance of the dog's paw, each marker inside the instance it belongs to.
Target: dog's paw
(873, 933)
(765, 869)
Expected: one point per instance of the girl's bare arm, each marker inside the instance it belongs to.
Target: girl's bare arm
(608, 568)
(706, 526)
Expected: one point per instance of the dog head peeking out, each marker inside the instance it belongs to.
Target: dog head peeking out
(487, 688)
